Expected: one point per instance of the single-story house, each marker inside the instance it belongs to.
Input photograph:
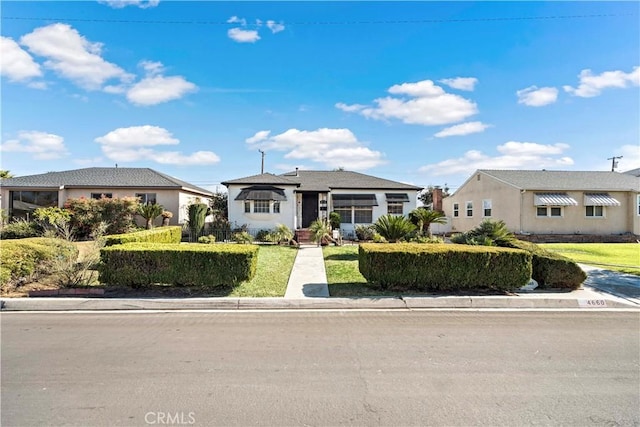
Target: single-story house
(548, 202)
(21, 195)
(298, 198)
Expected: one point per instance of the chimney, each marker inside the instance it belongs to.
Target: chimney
(437, 199)
(297, 172)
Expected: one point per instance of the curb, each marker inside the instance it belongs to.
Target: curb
(387, 303)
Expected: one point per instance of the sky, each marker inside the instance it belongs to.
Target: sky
(418, 92)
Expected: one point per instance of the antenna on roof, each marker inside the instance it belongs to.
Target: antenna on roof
(614, 162)
(116, 165)
(262, 167)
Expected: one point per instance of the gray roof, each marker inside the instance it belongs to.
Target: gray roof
(325, 181)
(103, 178)
(565, 180)
(634, 172)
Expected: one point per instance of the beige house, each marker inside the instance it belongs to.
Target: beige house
(548, 202)
(21, 195)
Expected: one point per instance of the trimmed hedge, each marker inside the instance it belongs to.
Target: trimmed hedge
(171, 234)
(552, 270)
(140, 264)
(411, 266)
(23, 258)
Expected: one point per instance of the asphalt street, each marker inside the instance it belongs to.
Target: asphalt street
(309, 368)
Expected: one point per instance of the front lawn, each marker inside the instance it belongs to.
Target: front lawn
(272, 275)
(624, 257)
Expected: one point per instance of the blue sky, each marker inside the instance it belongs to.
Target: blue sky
(418, 92)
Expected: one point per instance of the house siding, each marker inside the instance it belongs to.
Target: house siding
(262, 221)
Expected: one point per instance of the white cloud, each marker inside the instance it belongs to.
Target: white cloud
(119, 4)
(43, 146)
(243, 36)
(241, 21)
(513, 155)
(89, 161)
(73, 56)
(630, 157)
(152, 68)
(331, 147)
(15, 63)
(132, 144)
(158, 89)
(428, 104)
(275, 27)
(592, 85)
(537, 97)
(461, 83)
(462, 129)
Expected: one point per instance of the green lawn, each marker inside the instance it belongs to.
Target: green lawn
(274, 267)
(623, 257)
(345, 280)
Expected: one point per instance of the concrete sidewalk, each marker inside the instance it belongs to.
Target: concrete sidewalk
(308, 277)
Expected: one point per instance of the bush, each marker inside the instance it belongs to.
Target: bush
(209, 239)
(410, 266)
(172, 234)
(263, 236)
(365, 232)
(140, 264)
(20, 229)
(88, 214)
(26, 259)
(197, 215)
(393, 228)
(243, 238)
(488, 233)
(551, 270)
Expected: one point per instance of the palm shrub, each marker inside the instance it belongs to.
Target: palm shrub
(320, 231)
(488, 233)
(365, 232)
(393, 228)
(282, 233)
(197, 214)
(423, 218)
(150, 212)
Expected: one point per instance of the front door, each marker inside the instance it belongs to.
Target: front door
(309, 208)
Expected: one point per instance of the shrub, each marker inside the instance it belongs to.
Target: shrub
(410, 266)
(393, 228)
(20, 229)
(172, 234)
(282, 233)
(26, 259)
(425, 239)
(263, 236)
(334, 220)
(320, 231)
(488, 233)
(140, 264)
(243, 238)
(197, 215)
(150, 212)
(551, 270)
(88, 214)
(209, 239)
(365, 232)
(422, 218)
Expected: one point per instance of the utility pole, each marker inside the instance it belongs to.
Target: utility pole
(614, 162)
(262, 167)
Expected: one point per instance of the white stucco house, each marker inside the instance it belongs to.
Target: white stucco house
(297, 198)
(21, 195)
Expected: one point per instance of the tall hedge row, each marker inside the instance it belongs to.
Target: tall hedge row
(140, 264)
(411, 266)
(24, 259)
(171, 234)
(552, 270)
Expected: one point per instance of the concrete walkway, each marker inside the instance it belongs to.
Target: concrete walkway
(308, 276)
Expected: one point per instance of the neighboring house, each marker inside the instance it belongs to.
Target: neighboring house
(296, 199)
(21, 195)
(548, 202)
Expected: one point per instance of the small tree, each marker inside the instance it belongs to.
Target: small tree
(423, 218)
(149, 212)
(197, 214)
(334, 220)
(5, 174)
(393, 228)
(426, 196)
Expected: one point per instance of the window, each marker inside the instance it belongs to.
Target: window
(486, 207)
(638, 204)
(469, 206)
(594, 211)
(99, 196)
(22, 203)
(395, 208)
(247, 206)
(363, 215)
(147, 198)
(549, 211)
(260, 206)
(456, 209)
(276, 207)
(345, 215)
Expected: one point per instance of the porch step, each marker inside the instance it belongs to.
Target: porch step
(303, 235)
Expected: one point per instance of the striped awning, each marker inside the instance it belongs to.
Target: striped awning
(599, 199)
(397, 197)
(261, 193)
(554, 199)
(348, 200)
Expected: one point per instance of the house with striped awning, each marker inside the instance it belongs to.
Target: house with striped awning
(548, 202)
(298, 198)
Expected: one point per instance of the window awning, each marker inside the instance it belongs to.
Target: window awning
(261, 193)
(554, 199)
(397, 197)
(599, 199)
(348, 200)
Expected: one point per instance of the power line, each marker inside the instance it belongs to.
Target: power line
(302, 23)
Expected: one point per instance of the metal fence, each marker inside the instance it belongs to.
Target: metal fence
(221, 234)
